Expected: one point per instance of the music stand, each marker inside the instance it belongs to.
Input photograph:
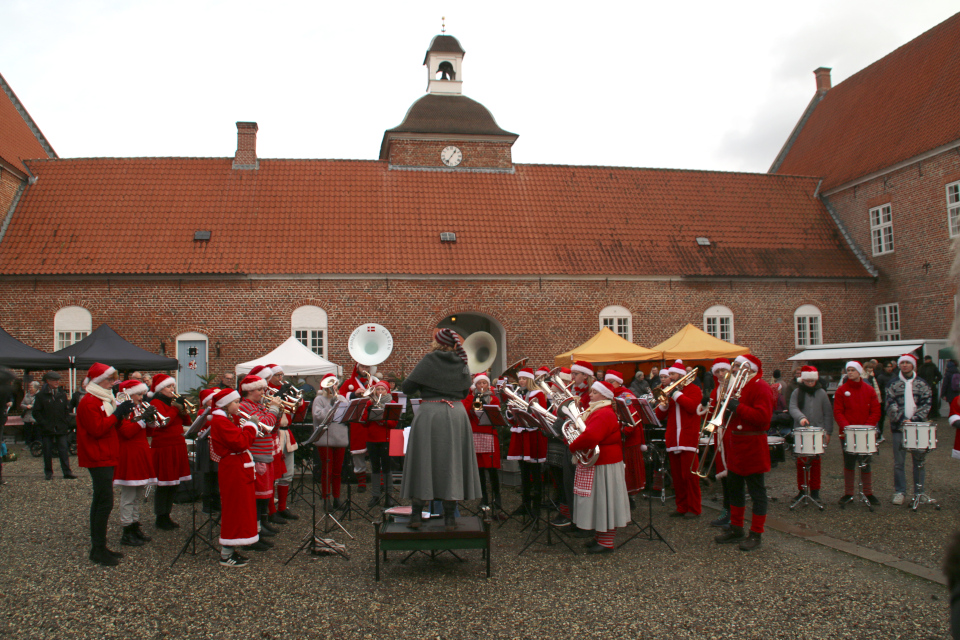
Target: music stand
(211, 519)
(353, 414)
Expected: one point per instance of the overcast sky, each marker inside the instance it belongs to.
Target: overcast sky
(703, 85)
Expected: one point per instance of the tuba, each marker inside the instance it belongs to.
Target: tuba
(370, 344)
(568, 405)
(481, 350)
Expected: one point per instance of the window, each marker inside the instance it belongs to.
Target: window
(888, 322)
(806, 320)
(619, 320)
(953, 208)
(881, 229)
(308, 325)
(70, 325)
(718, 322)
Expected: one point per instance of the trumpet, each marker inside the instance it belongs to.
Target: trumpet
(142, 407)
(662, 396)
(480, 400)
(269, 394)
(188, 406)
(731, 386)
(246, 419)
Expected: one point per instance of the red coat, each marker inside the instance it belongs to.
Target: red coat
(683, 423)
(855, 403)
(238, 520)
(489, 460)
(97, 443)
(745, 441)
(603, 429)
(135, 466)
(169, 448)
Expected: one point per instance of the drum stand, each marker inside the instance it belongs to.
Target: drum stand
(863, 459)
(806, 497)
(919, 497)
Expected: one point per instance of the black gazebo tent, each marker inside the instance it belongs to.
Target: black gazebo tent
(16, 355)
(105, 345)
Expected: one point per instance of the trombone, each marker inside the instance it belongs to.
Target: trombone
(662, 396)
(730, 387)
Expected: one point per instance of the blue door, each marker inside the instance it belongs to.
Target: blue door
(192, 355)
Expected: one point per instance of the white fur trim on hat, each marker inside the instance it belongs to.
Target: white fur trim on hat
(481, 376)
(907, 357)
(109, 371)
(165, 383)
(140, 388)
(581, 369)
(809, 375)
(740, 360)
(525, 374)
(602, 389)
(613, 375)
(720, 366)
(856, 365)
(253, 385)
(233, 396)
(677, 367)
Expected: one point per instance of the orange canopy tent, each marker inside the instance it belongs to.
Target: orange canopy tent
(606, 347)
(691, 343)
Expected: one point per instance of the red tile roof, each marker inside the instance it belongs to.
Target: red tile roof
(903, 105)
(20, 139)
(139, 215)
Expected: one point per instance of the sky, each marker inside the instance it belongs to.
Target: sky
(693, 85)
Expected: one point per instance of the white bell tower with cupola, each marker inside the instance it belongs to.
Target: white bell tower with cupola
(444, 63)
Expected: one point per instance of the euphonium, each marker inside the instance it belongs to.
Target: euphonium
(568, 405)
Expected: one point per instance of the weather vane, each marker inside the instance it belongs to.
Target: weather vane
(443, 24)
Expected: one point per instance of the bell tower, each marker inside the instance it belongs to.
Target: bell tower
(444, 62)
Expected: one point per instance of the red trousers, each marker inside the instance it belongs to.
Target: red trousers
(814, 472)
(331, 464)
(686, 483)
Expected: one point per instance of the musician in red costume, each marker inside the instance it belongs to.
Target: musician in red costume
(633, 438)
(600, 491)
(582, 374)
(169, 448)
(954, 421)
(378, 446)
(529, 447)
(359, 381)
(855, 403)
(331, 458)
(230, 443)
(747, 455)
(720, 369)
(682, 440)
(486, 443)
(252, 389)
(134, 469)
(285, 444)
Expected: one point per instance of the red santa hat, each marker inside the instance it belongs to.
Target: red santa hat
(809, 373)
(603, 388)
(908, 357)
(262, 371)
(382, 383)
(543, 371)
(565, 374)
(856, 365)
(751, 361)
(740, 360)
(480, 376)
(582, 366)
(252, 383)
(720, 364)
(206, 396)
(99, 372)
(160, 381)
(664, 373)
(131, 387)
(526, 372)
(224, 397)
(614, 376)
(677, 367)
(275, 369)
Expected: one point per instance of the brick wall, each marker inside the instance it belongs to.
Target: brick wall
(541, 320)
(9, 184)
(426, 153)
(917, 274)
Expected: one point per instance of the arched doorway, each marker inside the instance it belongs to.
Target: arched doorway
(471, 322)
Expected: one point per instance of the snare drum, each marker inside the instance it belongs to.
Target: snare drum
(919, 436)
(808, 441)
(775, 441)
(860, 440)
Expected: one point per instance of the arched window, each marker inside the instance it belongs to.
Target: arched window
(71, 324)
(718, 322)
(309, 325)
(807, 324)
(619, 320)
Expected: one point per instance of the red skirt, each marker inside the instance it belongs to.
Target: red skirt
(238, 515)
(171, 464)
(527, 446)
(279, 465)
(135, 464)
(634, 470)
(358, 437)
(263, 485)
(488, 459)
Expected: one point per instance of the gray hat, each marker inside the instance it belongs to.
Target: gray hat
(51, 375)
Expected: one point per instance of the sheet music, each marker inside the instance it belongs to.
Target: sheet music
(402, 399)
(406, 438)
(415, 402)
(341, 409)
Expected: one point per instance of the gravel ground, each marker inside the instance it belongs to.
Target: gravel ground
(790, 588)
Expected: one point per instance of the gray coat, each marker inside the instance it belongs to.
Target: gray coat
(816, 409)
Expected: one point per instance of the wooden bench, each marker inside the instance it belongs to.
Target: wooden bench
(472, 532)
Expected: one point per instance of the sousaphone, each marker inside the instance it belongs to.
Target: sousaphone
(481, 349)
(370, 344)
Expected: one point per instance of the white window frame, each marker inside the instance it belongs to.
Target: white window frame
(953, 209)
(619, 320)
(308, 324)
(888, 322)
(807, 326)
(881, 229)
(718, 322)
(71, 325)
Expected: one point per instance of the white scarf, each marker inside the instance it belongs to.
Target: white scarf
(909, 404)
(593, 407)
(106, 395)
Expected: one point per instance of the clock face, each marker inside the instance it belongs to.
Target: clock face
(451, 156)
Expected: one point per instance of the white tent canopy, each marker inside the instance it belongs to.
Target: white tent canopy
(296, 360)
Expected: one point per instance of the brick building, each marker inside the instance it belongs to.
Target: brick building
(234, 255)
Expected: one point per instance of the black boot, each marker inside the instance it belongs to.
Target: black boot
(166, 524)
(731, 535)
(266, 530)
(276, 518)
(450, 515)
(138, 531)
(751, 543)
(416, 514)
(101, 556)
(130, 537)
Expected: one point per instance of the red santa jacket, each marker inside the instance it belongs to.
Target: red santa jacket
(97, 443)
(632, 436)
(855, 403)
(475, 425)
(745, 442)
(172, 433)
(230, 442)
(603, 429)
(955, 423)
(683, 423)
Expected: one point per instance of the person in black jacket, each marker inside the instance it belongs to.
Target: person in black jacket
(51, 410)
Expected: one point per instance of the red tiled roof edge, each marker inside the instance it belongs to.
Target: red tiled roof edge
(28, 120)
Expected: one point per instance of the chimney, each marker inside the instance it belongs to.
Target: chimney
(823, 80)
(246, 157)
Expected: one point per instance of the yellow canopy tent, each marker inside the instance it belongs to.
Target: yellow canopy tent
(691, 343)
(606, 348)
